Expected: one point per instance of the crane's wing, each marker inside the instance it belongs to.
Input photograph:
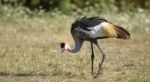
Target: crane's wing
(95, 27)
(81, 33)
(86, 23)
(86, 27)
(89, 27)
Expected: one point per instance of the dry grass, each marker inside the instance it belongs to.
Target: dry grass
(29, 51)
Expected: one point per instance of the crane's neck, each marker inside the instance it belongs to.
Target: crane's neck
(78, 44)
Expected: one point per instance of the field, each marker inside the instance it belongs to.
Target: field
(30, 52)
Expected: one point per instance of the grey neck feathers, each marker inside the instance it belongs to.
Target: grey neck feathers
(78, 44)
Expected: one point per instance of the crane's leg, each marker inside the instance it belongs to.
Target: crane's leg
(92, 58)
(103, 57)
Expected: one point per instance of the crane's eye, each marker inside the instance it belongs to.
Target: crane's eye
(62, 45)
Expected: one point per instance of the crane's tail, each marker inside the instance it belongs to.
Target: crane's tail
(112, 30)
(122, 33)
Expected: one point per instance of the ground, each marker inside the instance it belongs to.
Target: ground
(30, 52)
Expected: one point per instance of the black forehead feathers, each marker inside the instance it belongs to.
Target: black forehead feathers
(62, 45)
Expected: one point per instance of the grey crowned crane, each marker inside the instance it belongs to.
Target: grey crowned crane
(91, 29)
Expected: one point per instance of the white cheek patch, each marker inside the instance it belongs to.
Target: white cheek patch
(67, 47)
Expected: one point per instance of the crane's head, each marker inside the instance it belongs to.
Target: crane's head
(64, 47)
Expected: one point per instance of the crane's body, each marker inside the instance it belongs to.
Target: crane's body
(96, 28)
(92, 29)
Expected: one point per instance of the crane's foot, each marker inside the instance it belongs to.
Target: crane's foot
(97, 74)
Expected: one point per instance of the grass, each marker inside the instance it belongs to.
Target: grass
(29, 50)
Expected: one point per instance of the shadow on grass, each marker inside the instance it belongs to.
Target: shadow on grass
(22, 74)
(30, 74)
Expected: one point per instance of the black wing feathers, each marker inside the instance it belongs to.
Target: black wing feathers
(90, 22)
(85, 22)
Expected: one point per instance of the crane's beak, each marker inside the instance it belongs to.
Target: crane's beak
(62, 51)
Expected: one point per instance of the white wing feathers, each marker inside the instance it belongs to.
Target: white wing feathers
(100, 30)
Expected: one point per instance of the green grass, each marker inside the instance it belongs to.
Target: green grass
(29, 50)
